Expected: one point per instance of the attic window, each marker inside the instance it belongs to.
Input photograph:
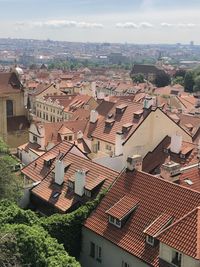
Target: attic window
(88, 193)
(150, 240)
(188, 181)
(137, 114)
(56, 194)
(115, 221)
(121, 108)
(126, 127)
(71, 184)
(166, 150)
(182, 156)
(109, 122)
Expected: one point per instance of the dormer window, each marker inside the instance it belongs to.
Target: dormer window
(115, 221)
(88, 193)
(48, 159)
(71, 185)
(137, 114)
(166, 150)
(182, 156)
(109, 122)
(119, 213)
(121, 108)
(126, 127)
(150, 240)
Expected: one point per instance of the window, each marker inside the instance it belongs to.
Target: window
(34, 139)
(70, 138)
(92, 249)
(125, 264)
(108, 147)
(176, 258)
(9, 108)
(87, 193)
(99, 254)
(71, 184)
(115, 221)
(150, 240)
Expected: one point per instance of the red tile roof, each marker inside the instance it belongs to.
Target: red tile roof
(156, 196)
(122, 207)
(108, 134)
(96, 175)
(184, 234)
(160, 223)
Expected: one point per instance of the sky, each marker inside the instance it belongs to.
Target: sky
(124, 21)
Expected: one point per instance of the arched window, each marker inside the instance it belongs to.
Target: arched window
(9, 108)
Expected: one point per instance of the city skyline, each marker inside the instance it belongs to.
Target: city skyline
(147, 21)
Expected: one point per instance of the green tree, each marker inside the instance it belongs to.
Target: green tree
(10, 183)
(162, 79)
(180, 73)
(178, 80)
(138, 78)
(196, 87)
(189, 81)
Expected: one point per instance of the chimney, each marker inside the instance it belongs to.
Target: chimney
(80, 182)
(59, 171)
(93, 116)
(170, 171)
(79, 135)
(176, 143)
(134, 163)
(118, 144)
(148, 102)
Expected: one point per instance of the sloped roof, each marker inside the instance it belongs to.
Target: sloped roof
(156, 196)
(9, 83)
(184, 234)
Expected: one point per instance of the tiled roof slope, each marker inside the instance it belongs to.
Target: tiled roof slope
(156, 196)
(153, 160)
(193, 175)
(96, 175)
(184, 235)
(36, 170)
(9, 83)
(108, 133)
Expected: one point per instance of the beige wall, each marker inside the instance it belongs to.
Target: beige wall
(112, 255)
(150, 133)
(165, 253)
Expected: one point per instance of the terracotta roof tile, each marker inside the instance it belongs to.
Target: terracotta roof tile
(184, 234)
(156, 196)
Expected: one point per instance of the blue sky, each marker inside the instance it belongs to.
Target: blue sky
(134, 21)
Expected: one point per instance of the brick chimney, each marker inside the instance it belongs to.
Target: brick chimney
(170, 171)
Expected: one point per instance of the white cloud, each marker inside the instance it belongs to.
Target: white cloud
(186, 25)
(145, 25)
(128, 25)
(60, 24)
(165, 24)
(132, 25)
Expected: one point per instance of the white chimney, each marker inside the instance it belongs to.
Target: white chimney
(170, 171)
(176, 143)
(134, 163)
(79, 135)
(80, 179)
(148, 102)
(93, 116)
(118, 144)
(59, 171)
